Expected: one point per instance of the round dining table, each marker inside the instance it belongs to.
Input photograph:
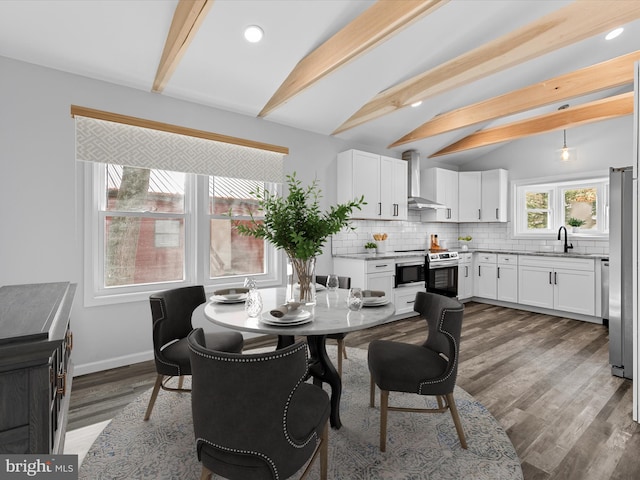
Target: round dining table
(329, 315)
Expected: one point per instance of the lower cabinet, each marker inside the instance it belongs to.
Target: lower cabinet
(465, 276)
(496, 277)
(404, 298)
(367, 274)
(35, 367)
(566, 284)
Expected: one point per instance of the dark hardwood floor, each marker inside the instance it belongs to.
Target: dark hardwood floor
(545, 379)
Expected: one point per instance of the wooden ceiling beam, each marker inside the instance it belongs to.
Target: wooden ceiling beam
(187, 19)
(376, 25)
(609, 74)
(605, 109)
(575, 22)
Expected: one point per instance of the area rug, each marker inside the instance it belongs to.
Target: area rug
(419, 446)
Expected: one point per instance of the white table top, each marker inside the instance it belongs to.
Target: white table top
(330, 315)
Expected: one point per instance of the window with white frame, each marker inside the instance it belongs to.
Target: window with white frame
(542, 208)
(152, 229)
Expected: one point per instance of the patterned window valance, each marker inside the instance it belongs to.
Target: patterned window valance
(111, 138)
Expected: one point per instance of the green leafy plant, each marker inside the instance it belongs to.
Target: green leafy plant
(370, 245)
(575, 222)
(465, 239)
(295, 223)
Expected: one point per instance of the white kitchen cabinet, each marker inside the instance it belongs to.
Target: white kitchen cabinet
(465, 275)
(566, 284)
(382, 181)
(486, 272)
(496, 276)
(494, 196)
(404, 298)
(507, 278)
(367, 274)
(441, 185)
(469, 196)
(482, 196)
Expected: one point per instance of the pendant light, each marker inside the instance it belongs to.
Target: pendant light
(566, 153)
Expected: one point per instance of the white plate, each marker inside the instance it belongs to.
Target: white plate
(234, 298)
(376, 304)
(319, 287)
(301, 317)
(374, 300)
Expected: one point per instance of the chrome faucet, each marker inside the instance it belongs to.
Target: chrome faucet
(566, 247)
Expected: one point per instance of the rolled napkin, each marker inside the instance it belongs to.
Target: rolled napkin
(373, 293)
(283, 310)
(231, 291)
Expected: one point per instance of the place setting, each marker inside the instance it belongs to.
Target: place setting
(230, 295)
(374, 298)
(288, 314)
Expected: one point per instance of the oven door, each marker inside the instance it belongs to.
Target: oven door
(443, 280)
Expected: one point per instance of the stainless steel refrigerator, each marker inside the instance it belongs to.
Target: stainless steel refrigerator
(621, 271)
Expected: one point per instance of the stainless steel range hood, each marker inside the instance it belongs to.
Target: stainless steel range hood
(415, 201)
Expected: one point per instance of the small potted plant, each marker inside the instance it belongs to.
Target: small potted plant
(465, 240)
(575, 223)
(370, 246)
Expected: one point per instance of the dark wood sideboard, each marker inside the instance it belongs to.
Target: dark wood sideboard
(35, 367)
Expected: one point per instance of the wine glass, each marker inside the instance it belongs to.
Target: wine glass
(354, 300)
(332, 282)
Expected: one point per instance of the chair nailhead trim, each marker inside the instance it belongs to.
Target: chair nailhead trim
(244, 452)
(452, 368)
(239, 359)
(164, 317)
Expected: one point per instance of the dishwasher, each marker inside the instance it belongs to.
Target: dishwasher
(604, 290)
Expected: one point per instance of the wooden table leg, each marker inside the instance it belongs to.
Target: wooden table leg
(323, 370)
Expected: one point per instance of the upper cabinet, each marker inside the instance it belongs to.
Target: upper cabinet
(441, 185)
(382, 180)
(482, 196)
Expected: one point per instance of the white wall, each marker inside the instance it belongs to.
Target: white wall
(41, 187)
(41, 190)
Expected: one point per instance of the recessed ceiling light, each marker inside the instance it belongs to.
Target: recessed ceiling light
(614, 33)
(416, 104)
(253, 33)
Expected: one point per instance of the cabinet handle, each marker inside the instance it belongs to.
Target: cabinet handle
(550, 282)
(498, 272)
(69, 340)
(479, 217)
(466, 271)
(379, 208)
(555, 278)
(396, 210)
(497, 217)
(478, 270)
(381, 266)
(411, 301)
(62, 384)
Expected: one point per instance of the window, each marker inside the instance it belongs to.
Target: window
(154, 229)
(541, 209)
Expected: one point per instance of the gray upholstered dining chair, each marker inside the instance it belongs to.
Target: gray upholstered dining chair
(427, 369)
(343, 282)
(254, 416)
(171, 312)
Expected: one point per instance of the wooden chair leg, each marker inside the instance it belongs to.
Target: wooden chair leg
(372, 394)
(456, 420)
(439, 399)
(342, 347)
(154, 395)
(206, 473)
(180, 381)
(384, 404)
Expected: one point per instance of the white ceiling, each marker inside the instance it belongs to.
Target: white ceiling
(121, 41)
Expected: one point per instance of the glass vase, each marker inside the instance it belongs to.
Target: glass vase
(301, 280)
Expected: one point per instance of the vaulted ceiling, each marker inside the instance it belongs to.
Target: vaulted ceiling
(486, 71)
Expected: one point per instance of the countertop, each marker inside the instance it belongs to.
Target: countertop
(396, 255)
(569, 254)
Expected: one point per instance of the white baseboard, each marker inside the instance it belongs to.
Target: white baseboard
(109, 363)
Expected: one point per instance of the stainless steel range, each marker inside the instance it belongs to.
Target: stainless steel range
(442, 273)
